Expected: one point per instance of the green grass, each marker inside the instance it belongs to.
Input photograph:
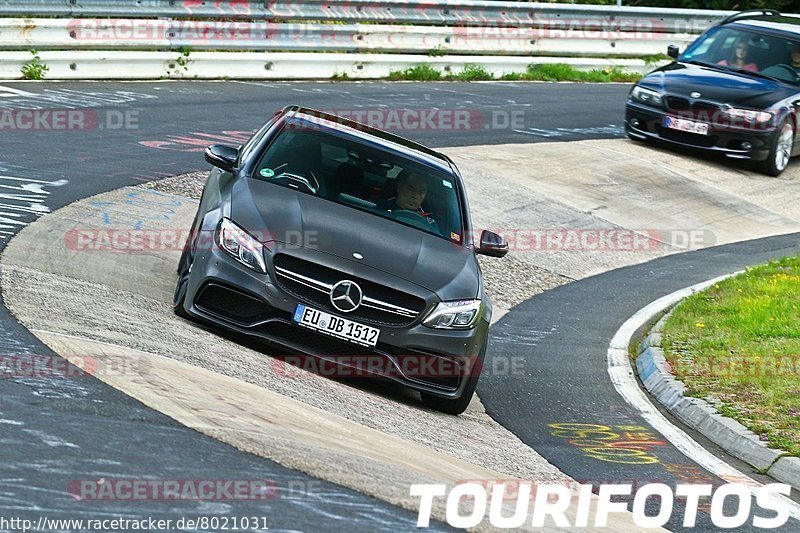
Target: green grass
(421, 72)
(564, 72)
(738, 343)
(549, 72)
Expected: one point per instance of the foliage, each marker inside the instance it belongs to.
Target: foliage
(34, 69)
(737, 344)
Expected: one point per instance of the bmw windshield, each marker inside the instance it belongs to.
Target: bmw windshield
(747, 52)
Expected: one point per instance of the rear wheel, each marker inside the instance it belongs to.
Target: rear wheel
(456, 406)
(780, 151)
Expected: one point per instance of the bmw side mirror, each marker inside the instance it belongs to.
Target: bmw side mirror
(492, 244)
(222, 156)
(673, 51)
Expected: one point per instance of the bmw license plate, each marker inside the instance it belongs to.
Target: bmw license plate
(335, 326)
(680, 124)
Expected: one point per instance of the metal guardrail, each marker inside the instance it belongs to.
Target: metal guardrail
(131, 65)
(422, 12)
(162, 34)
(141, 39)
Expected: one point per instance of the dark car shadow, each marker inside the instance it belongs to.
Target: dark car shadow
(297, 363)
(719, 161)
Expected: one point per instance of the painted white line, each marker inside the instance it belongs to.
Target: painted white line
(622, 376)
(9, 91)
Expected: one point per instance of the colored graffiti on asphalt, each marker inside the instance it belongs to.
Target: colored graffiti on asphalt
(142, 206)
(197, 141)
(624, 444)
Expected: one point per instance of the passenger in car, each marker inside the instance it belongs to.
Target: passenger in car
(738, 57)
(796, 57)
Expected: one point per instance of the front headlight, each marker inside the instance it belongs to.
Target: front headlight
(647, 96)
(454, 315)
(749, 115)
(241, 245)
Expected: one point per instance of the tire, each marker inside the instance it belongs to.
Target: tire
(184, 270)
(780, 150)
(456, 406)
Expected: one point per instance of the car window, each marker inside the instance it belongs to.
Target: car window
(747, 50)
(352, 172)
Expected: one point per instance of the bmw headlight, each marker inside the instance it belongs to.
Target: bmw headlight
(749, 115)
(647, 96)
(454, 315)
(241, 245)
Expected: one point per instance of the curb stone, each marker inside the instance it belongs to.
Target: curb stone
(730, 435)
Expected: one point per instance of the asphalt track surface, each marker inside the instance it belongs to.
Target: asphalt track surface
(58, 430)
(566, 334)
(79, 429)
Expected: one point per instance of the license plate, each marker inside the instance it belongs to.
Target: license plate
(680, 124)
(335, 326)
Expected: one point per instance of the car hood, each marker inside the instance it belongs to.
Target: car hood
(719, 86)
(315, 226)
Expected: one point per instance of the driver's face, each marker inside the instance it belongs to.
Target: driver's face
(796, 58)
(411, 193)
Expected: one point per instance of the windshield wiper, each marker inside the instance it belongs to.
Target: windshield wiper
(731, 69)
(750, 73)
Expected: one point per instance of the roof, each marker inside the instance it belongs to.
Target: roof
(781, 23)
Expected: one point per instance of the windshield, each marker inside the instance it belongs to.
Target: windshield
(733, 48)
(344, 169)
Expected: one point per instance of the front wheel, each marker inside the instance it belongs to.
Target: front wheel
(456, 406)
(184, 270)
(780, 150)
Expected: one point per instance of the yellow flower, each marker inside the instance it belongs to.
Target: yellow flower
(700, 325)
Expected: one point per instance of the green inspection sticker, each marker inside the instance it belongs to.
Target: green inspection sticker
(267, 172)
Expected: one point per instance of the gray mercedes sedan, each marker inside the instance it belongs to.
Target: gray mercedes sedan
(346, 248)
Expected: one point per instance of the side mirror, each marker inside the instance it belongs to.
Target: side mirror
(673, 51)
(221, 156)
(492, 244)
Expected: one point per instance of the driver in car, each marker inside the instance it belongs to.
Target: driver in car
(412, 188)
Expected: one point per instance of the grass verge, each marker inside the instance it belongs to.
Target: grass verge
(548, 72)
(737, 345)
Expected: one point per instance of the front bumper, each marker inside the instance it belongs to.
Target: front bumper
(229, 295)
(645, 122)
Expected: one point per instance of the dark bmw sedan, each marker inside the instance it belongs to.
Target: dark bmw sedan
(327, 238)
(734, 91)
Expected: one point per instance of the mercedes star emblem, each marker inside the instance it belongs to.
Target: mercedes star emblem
(358, 256)
(696, 95)
(346, 296)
